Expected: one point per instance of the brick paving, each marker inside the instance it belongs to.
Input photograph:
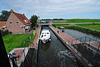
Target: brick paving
(18, 52)
(71, 40)
(66, 37)
(96, 44)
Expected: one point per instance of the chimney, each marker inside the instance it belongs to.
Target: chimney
(12, 11)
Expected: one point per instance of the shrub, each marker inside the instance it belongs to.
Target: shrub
(34, 28)
(4, 32)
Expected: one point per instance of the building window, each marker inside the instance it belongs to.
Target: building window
(26, 21)
(17, 22)
(27, 28)
(10, 22)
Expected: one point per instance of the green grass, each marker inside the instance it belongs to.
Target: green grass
(60, 25)
(12, 41)
(82, 20)
(90, 26)
(59, 22)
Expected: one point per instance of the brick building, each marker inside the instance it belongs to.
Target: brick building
(2, 25)
(17, 23)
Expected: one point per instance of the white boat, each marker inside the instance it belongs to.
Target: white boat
(45, 36)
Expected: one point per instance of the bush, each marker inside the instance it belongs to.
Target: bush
(4, 32)
(34, 28)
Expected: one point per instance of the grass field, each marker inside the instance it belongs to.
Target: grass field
(82, 20)
(90, 26)
(59, 25)
(59, 22)
(12, 41)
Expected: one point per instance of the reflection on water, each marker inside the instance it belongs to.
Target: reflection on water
(54, 54)
(45, 46)
(66, 54)
(76, 34)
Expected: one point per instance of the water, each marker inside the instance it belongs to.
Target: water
(76, 34)
(54, 54)
(91, 55)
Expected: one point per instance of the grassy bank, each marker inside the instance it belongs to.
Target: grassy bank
(60, 25)
(59, 22)
(12, 41)
(90, 26)
(82, 20)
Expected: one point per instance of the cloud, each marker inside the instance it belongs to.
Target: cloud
(46, 8)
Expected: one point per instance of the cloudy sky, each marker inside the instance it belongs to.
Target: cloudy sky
(54, 8)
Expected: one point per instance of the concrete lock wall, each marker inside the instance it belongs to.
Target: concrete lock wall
(28, 59)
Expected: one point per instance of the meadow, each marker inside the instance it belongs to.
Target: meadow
(90, 26)
(12, 41)
(83, 21)
(59, 22)
(60, 25)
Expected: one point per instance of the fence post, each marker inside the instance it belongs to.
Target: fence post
(85, 39)
(99, 46)
(89, 40)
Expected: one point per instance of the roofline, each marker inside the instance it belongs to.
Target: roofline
(24, 16)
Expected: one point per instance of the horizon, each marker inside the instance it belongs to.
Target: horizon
(52, 9)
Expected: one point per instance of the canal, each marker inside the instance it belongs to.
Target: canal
(93, 56)
(77, 34)
(54, 54)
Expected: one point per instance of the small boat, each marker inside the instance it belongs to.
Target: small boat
(45, 36)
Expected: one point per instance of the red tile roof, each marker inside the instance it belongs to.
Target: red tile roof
(21, 17)
(2, 23)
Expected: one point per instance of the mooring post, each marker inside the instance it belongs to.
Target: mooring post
(85, 39)
(89, 41)
(4, 61)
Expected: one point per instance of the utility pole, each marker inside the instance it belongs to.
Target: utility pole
(4, 61)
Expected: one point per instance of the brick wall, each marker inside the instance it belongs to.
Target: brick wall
(14, 27)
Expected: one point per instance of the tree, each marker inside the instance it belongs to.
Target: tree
(33, 20)
(4, 15)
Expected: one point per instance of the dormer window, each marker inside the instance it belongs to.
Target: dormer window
(10, 22)
(17, 22)
(26, 21)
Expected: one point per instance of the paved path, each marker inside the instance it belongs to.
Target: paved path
(18, 52)
(71, 40)
(65, 36)
(96, 45)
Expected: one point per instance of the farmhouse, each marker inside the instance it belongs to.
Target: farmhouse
(17, 23)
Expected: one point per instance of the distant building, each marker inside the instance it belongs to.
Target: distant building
(17, 23)
(38, 21)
